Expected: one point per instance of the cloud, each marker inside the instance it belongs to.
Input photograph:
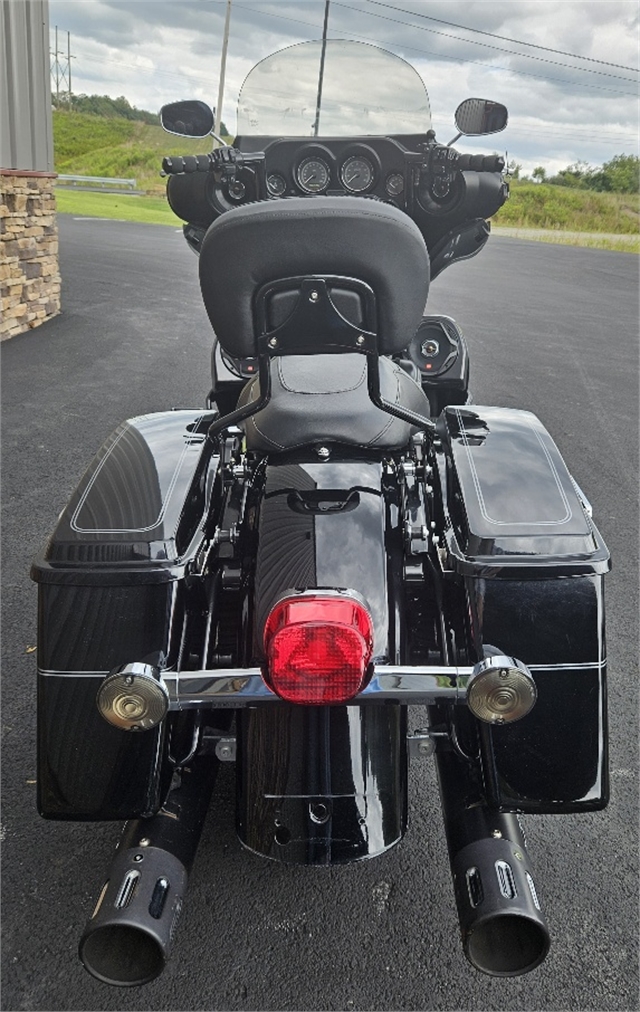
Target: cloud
(154, 51)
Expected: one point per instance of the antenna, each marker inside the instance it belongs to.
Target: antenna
(316, 124)
(223, 66)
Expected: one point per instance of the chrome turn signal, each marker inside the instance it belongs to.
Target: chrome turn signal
(501, 690)
(134, 697)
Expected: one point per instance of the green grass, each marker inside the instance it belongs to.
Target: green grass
(150, 209)
(540, 205)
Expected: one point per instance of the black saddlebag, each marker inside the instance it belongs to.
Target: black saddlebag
(519, 537)
(114, 588)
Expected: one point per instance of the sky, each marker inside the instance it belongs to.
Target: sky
(565, 69)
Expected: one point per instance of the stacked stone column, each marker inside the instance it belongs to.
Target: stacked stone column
(29, 270)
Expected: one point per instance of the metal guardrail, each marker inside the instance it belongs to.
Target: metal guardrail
(96, 182)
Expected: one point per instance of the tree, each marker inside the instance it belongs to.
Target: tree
(620, 175)
(539, 174)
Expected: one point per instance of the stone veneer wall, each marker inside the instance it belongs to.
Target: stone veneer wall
(29, 271)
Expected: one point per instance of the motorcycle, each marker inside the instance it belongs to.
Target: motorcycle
(340, 534)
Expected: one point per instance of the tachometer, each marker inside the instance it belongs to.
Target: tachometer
(357, 174)
(312, 175)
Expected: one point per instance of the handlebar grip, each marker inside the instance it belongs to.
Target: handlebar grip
(173, 165)
(481, 163)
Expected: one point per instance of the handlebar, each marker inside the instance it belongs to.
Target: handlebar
(174, 165)
(480, 163)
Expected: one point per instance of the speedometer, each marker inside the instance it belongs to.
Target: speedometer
(357, 174)
(312, 175)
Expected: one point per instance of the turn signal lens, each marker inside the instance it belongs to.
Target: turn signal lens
(501, 690)
(133, 698)
(318, 648)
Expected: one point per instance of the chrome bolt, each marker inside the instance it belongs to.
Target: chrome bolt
(145, 842)
(496, 834)
(313, 297)
(224, 752)
(360, 339)
(323, 452)
(504, 673)
(273, 342)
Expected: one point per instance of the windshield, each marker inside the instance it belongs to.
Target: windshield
(365, 91)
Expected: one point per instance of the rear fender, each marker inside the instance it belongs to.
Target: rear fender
(323, 785)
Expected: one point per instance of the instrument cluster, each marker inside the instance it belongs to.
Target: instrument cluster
(375, 167)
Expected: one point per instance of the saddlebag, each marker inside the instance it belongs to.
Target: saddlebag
(114, 587)
(519, 538)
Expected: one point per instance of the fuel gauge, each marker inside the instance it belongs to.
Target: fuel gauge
(394, 184)
(276, 184)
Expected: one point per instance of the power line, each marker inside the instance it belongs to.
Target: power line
(503, 38)
(485, 45)
(440, 56)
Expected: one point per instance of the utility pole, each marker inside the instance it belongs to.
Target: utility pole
(223, 67)
(61, 74)
(69, 64)
(57, 69)
(316, 125)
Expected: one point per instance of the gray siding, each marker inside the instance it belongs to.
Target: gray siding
(26, 128)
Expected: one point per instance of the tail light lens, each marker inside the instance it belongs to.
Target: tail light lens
(318, 648)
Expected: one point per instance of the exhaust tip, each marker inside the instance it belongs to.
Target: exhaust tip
(122, 955)
(507, 946)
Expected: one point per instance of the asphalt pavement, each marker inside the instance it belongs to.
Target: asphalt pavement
(550, 328)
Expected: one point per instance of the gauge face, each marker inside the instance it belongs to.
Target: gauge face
(276, 184)
(357, 174)
(394, 184)
(313, 175)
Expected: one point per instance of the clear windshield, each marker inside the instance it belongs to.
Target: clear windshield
(365, 91)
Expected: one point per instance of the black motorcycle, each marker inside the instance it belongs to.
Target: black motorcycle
(340, 534)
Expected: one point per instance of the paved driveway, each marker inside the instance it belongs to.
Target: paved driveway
(551, 329)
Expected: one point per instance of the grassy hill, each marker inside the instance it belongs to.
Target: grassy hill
(86, 145)
(91, 145)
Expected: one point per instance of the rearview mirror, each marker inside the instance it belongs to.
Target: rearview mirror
(187, 119)
(477, 116)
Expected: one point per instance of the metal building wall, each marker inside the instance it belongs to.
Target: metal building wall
(26, 131)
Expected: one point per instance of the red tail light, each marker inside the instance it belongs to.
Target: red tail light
(318, 648)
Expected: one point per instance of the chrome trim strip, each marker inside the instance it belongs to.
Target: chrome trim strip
(585, 666)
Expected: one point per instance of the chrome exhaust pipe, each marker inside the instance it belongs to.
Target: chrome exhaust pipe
(504, 932)
(127, 941)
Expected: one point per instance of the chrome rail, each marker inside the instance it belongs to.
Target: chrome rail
(236, 687)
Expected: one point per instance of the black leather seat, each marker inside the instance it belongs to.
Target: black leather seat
(325, 398)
